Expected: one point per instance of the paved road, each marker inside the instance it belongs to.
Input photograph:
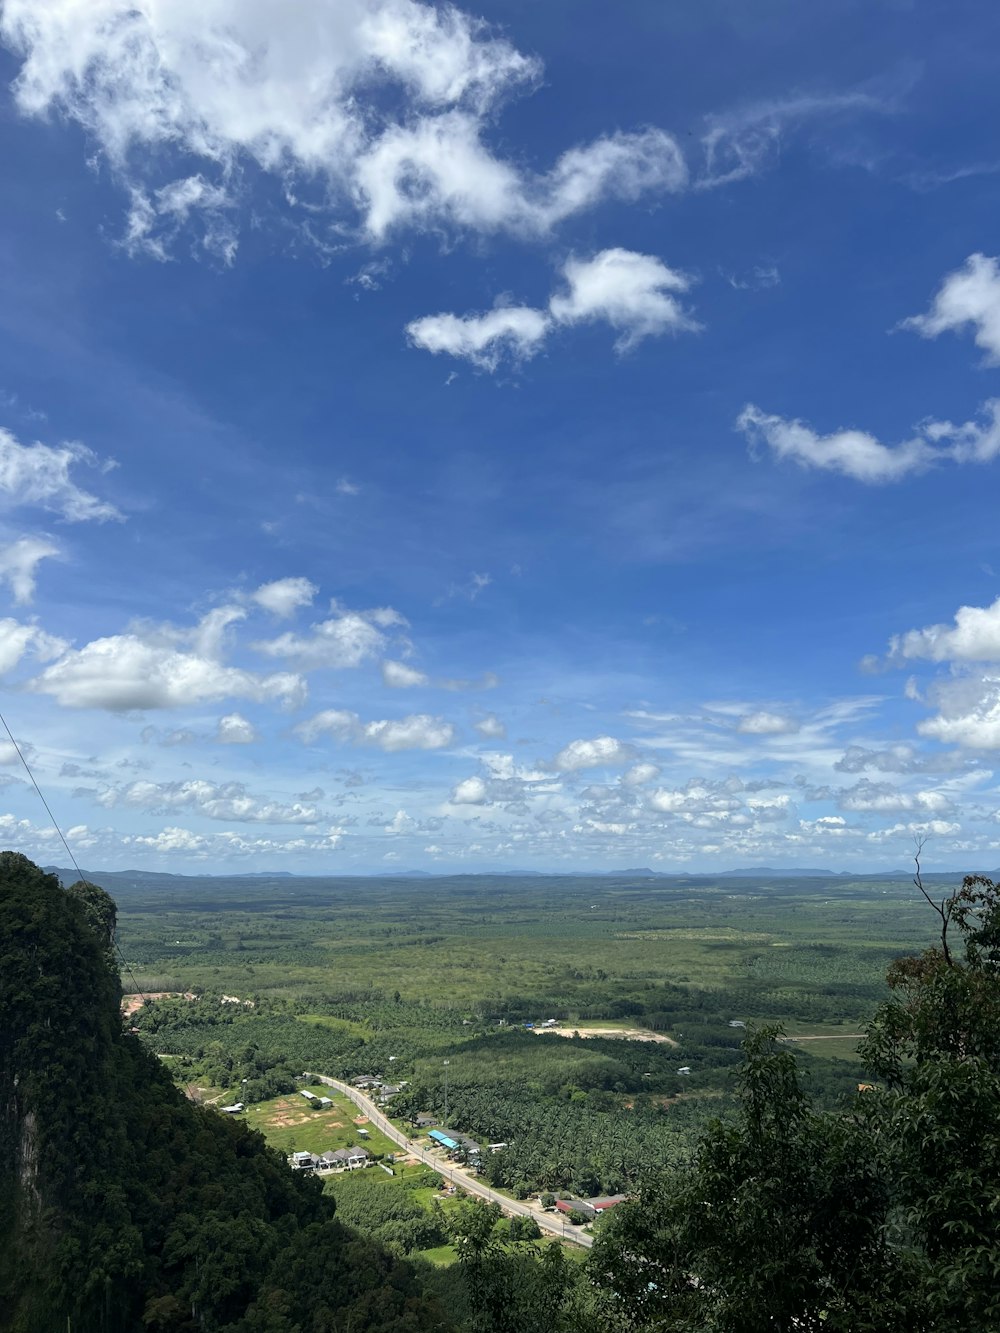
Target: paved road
(557, 1225)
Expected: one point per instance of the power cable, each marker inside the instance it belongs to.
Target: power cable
(69, 849)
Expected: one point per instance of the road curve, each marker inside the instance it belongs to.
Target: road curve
(557, 1226)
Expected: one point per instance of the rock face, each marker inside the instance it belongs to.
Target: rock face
(122, 1206)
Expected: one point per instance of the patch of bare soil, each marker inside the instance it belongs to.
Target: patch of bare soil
(132, 1003)
(619, 1034)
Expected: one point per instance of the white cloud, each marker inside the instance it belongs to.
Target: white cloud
(491, 727)
(377, 108)
(972, 441)
(514, 331)
(969, 713)
(851, 452)
(695, 799)
(16, 640)
(855, 453)
(347, 639)
(470, 791)
(283, 597)
(437, 169)
(766, 724)
(399, 676)
(19, 562)
(883, 798)
(640, 774)
(401, 822)
(153, 223)
(39, 475)
(416, 732)
(739, 143)
(634, 293)
(899, 758)
(968, 701)
(974, 637)
(163, 667)
(602, 750)
(969, 296)
(234, 729)
(170, 839)
(229, 802)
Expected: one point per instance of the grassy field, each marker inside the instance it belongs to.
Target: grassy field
(289, 1124)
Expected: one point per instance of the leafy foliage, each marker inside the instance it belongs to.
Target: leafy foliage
(883, 1216)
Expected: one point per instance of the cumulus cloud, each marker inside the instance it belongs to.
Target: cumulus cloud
(517, 332)
(857, 454)
(346, 639)
(636, 294)
(163, 667)
(491, 727)
(229, 801)
(174, 841)
(897, 759)
(17, 640)
(968, 297)
(376, 110)
(640, 774)
(854, 453)
(696, 799)
(471, 791)
(401, 823)
(974, 637)
(399, 676)
(38, 475)
(283, 597)
(968, 712)
(19, 563)
(234, 729)
(884, 798)
(419, 731)
(599, 752)
(766, 724)
(968, 701)
(438, 169)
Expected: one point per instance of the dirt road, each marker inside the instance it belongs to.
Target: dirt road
(556, 1225)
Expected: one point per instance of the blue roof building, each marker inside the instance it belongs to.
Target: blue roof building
(445, 1140)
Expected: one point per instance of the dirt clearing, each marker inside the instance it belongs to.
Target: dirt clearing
(617, 1034)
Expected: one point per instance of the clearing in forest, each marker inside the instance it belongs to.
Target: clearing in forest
(618, 1034)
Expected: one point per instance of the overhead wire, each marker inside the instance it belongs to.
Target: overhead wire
(69, 849)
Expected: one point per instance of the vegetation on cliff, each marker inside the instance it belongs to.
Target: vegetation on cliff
(126, 1207)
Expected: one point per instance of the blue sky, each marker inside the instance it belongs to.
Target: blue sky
(549, 436)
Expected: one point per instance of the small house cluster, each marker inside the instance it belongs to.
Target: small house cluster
(381, 1090)
(456, 1144)
(590, 1208)
(317, 1103)
(341, 1159)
